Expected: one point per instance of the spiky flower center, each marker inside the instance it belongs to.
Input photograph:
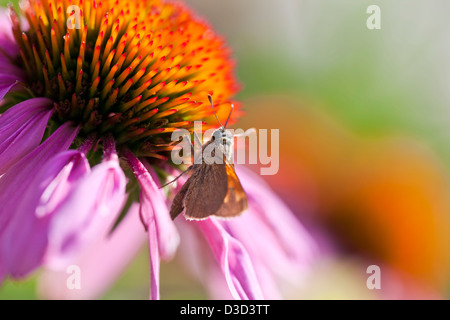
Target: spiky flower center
(136, 69)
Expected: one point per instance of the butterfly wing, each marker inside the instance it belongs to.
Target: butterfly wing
(206, 191)
(235, 201)
(178, 202)
(212, 189)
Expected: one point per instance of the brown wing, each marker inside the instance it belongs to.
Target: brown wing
(235, 201)
(178, 202)
(213, 189)
(206, 191)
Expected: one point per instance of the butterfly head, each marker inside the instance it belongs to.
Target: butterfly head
(224, 137)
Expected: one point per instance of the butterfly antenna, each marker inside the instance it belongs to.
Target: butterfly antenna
(212, 106)
(229, 115)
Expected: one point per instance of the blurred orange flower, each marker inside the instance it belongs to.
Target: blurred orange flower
(384, 198)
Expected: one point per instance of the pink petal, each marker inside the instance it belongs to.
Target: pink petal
(100, 263)
(153, 198)
(204, 267)
(9, 73)
(294, 239)
(7, 42)
(26, 228)
(7, 83)
(279, 246)
(3, 273)
(94, 199)
(233, 259)
(61, 174)
(154, 206)
(15, 181)
(281, 251)
(200, 262)
(22, 236)
(271, 262)
(21, 129)
(163, 237)
(154, 258)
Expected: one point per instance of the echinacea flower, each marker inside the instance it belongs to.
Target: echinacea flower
(75, 101)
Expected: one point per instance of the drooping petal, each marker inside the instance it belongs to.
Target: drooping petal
(233, 260)
(95, 198)
(21, 129)
(22, 236)
(25, 238)
(293, 238)
(60, 175)
(153, 204)
(154, 199)
(200, 262)
(269, 258)
(100, 263)
(282, 250)
(163, 237)
(15, 181)
(281, 261)
(154, 255)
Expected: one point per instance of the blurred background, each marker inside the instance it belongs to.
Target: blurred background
(364, 140)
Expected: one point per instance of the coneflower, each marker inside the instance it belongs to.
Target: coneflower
(75, 100)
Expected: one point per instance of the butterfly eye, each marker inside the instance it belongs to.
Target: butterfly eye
(217, 135)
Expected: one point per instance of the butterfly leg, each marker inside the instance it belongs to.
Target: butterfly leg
(179, 176)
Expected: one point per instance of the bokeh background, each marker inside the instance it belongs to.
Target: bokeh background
(364, 140)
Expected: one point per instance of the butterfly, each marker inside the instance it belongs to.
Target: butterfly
(213, 189)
